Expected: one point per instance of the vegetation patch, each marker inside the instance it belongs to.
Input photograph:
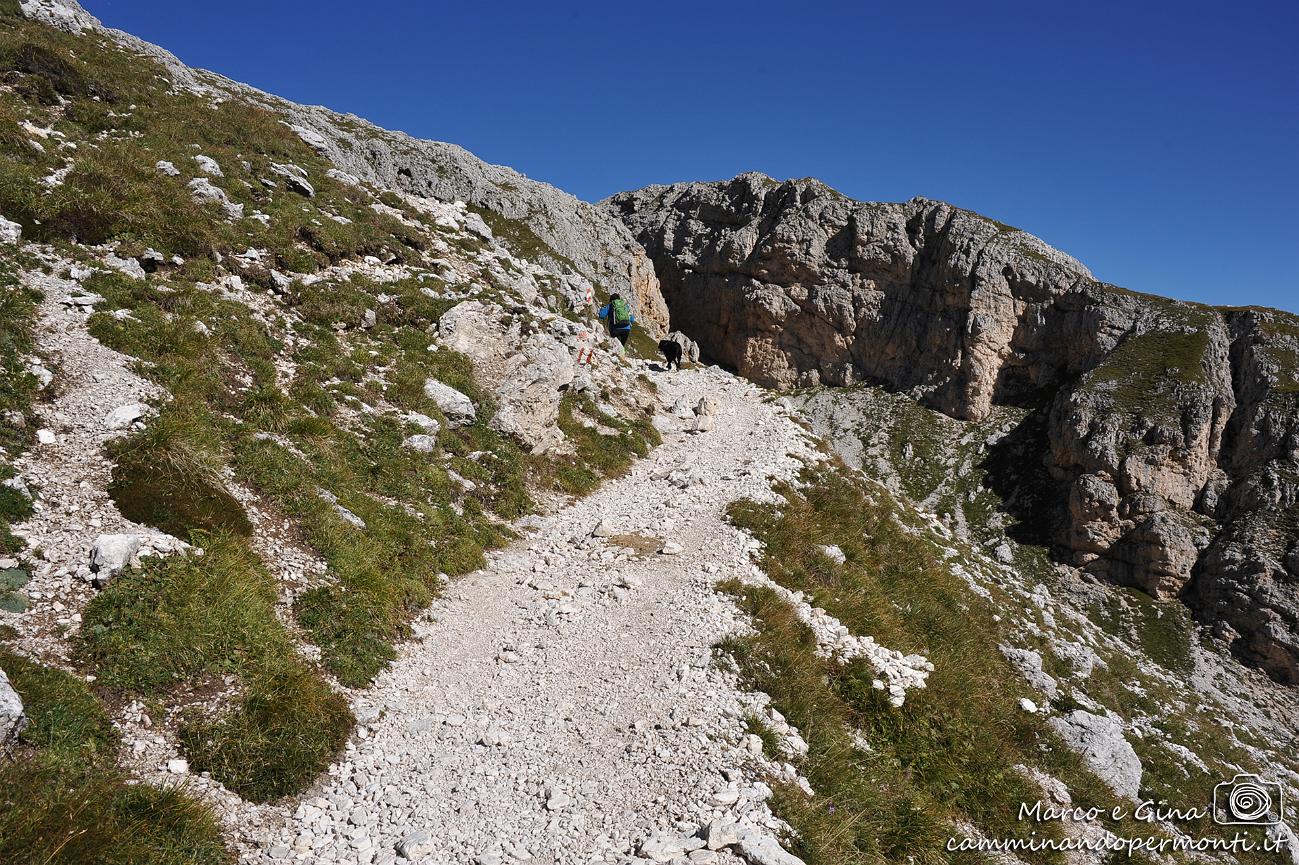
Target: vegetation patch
(167, 476)
(62, 800)
(597, 454)
(287, 728)
(945, 757)
(184, 620)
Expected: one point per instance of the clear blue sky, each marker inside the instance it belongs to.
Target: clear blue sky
(1156, 141)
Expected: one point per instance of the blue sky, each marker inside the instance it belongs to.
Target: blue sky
(1157, 142)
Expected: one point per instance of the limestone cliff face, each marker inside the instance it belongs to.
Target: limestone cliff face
(1171, 429)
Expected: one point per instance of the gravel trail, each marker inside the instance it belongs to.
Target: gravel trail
(562, 705)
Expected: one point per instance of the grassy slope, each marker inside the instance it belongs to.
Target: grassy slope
(285, 421)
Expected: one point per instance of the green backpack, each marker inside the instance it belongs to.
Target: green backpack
(620, 312)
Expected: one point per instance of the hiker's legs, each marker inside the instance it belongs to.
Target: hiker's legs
(622, 336)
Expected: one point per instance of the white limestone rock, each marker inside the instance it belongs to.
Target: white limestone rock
(458, 408)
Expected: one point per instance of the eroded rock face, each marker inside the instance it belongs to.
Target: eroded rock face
(1169, 428)
(794, 284)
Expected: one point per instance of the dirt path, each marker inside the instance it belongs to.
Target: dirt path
(562, 704)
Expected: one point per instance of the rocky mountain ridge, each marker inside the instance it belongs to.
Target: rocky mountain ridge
(333, 529)
(568, 236)
(1170, 430)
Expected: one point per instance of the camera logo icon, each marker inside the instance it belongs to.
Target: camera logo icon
(1247, 800)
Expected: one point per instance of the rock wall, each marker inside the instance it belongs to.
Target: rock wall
(1171, 428)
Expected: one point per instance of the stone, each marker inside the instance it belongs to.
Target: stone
(720, 834)
(1099, 740)
(294, 178)
(421, 443)
(203, 191)
(10, 232)
(339, 509)
(1030, 666)
(178, 766)
(758, 848)
(46, 436)
(604, 529)
(167, 168)
(123, 417)
(129, 266)
(458, 408)
(672, 548)
(12, 717)
(834, 553)
(209, 166)
(312, 138)
(662, 846)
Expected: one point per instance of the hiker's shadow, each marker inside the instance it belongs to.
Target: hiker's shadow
(655, 366)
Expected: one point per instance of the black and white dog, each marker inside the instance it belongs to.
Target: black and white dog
(671, 351)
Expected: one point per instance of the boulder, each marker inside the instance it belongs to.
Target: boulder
(312, 138)
(167, 168)
(10, 232)
(705, 415)
(112, 554)
(458, 408)
(1159, 553)
(759, 848)
(209, 166)
(423, 421)
(421, 443)
(12, 716)
(531, 389)
(205, 192)
(1099, 740)
(123, 417)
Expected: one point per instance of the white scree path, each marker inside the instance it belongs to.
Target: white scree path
(562, 705)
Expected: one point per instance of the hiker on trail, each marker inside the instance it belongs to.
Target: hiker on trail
(620, 317)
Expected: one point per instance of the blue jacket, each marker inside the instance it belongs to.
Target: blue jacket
(605, 312)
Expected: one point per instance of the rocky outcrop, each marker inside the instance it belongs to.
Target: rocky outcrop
(1169, 428)
(12, 716)
(545, 224)
(1099, 740)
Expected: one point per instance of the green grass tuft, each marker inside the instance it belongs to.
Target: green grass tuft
(287, 728)
(186, 619)
(63, 802)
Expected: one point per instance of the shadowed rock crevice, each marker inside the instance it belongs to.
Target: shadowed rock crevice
(1166, 430)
